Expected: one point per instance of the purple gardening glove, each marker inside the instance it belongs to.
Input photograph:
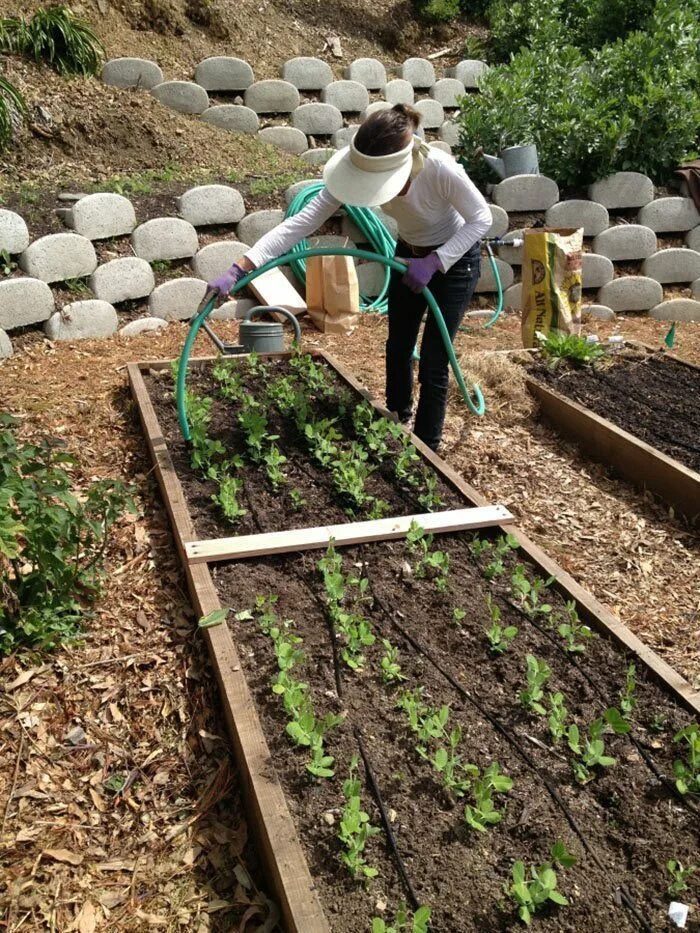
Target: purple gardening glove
(225, 282)
(421, 271)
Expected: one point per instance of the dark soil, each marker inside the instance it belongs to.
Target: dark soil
(268, 509)
(629, 821)
(623, 825)
(652, 396)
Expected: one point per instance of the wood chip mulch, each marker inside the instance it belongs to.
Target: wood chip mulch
(119, 802)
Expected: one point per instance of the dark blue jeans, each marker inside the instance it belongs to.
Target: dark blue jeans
(453, 291)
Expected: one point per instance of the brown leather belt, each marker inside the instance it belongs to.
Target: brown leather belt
(418, 251)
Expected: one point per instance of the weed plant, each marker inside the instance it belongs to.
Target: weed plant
(56, 37)
(13, 109)
(557, 346)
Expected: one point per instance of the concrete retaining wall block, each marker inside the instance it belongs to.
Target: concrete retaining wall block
(177, 300)
(165, 238)
(132, 72)
(142, 325)
(631, 293)
(597, 270)
(294, 190)
(342, 137)
(307, 74)
(432, 113)
(59, 256)
(5, 346)
(526, 193)
(349, 229)
(375, 107)
(670, 215)
(257, 224)
(122, 280)
(673, 265)
(211, 204)
(183, 96)
(487, 280)
(213, 260)
(399, 91)
(469, 72)
(234, 118)
(598, 312)
(286, 138)
(317, 156)
(513, 297)
(82, 320)
(508, 253)
(625, 242)
(100, 216)
(224, 73)
(693, 239)
(367, 71)
(14, 235)
(447, 92)
(590, 215)
(449, 133)
(347, 96)
(370, 276)
(442, 146)
(499, 225)
(234, 309)
(272, 96)
(622, 190)
(24, 301)
(419, 72)
(317, 119)
(677, 309)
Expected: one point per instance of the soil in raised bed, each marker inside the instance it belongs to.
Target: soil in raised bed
(266, 509)
(652, 396)
(623, 826)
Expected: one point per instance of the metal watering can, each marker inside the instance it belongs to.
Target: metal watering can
(515, 160)
(258, 336)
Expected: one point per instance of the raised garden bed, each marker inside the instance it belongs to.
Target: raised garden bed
(623, 822)
(638, 412)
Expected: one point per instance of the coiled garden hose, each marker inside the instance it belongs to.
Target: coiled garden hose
(372, 228)
(476, 404)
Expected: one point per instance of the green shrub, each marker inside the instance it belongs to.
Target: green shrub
(12, 108)
(436, 11)
(52, 542)
(56, 37)
(633, 105)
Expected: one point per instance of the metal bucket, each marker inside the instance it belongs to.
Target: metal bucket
(266, 336)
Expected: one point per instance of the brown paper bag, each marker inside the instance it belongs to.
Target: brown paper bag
(332, 293)
(551, 283)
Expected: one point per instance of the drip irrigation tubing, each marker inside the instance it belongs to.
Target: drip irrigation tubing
(476, 404)
(624, 895)
(602, 693)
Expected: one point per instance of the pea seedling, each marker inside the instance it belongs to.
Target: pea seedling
(429, 498)
(484, 813)
(419, 544)
(404, 923)
(533, 890)
(687, 773)
(273, 463)
(499, 638)
(458, 615)
(391, 669)
(590, 753)
(527, 593)
(538, 673)
(355, 827)
(456, 775)
(227, 498)
(679, 876)
(502, 546)
(573, 631)
(558, 714)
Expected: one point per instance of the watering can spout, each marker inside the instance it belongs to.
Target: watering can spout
(498, 165)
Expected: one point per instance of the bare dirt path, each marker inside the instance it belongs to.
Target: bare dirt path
(144, 810)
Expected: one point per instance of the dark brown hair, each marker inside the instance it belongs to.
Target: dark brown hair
(386, 130)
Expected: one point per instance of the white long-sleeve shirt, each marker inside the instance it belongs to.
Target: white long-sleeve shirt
(442, 207)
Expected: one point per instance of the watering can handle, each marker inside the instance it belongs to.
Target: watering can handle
(275, 309)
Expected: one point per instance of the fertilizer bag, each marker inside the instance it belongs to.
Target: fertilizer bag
(551, 297)
(332, 293)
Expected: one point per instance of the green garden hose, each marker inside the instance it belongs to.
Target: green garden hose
(476, 405)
